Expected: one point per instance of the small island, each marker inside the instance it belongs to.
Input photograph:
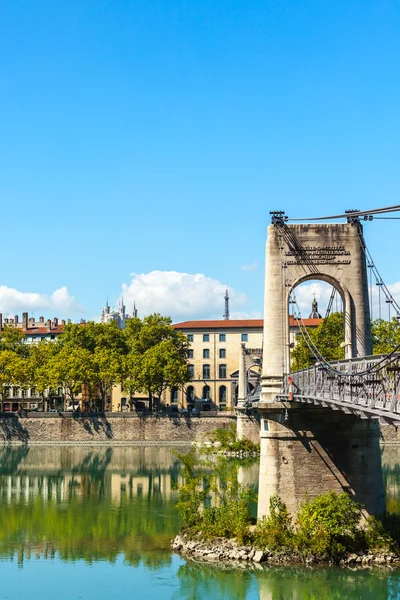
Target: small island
(218, 523)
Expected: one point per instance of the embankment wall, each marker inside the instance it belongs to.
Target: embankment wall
(60, 428)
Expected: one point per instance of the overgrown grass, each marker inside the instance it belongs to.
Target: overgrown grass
(228, 440)
(214, 505)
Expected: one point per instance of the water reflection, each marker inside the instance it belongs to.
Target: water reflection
(287, 583)
(88, 503)
(115, 507)
(391, 477)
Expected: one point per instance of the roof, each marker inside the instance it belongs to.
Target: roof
(42, 330)
(239, 323)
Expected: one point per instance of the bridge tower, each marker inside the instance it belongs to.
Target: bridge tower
(306, 448)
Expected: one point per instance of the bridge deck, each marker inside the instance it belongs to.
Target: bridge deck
(368, 387)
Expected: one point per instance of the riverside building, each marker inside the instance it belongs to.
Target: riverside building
(214, 352)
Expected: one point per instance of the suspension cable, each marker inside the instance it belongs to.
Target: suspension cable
(355, 213)
(378, 277)
(373, 369)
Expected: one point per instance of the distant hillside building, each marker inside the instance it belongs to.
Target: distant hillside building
(120, 315)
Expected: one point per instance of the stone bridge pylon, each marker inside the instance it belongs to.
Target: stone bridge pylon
(308, 449)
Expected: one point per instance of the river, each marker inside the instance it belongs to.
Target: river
(96, 523)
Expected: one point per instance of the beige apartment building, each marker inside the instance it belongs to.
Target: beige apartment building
(214, 360)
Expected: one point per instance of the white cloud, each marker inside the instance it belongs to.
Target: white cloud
(251, 267)
(254, 314)
(182, 296)
(305, 295)
(60, 302)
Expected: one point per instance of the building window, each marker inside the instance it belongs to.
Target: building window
(206, 392)
(190, 394)
(222, 395)
(191, 371)
(222, 353)
(190, 354)
(24, 393)
(206, 371)
(190, 337)
(206, 337)
(206, 353)
(174, 395)
(33, 392)
(222, 371)
(245, 337)
(222, 337)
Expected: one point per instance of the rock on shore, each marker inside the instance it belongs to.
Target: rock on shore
(228, 551)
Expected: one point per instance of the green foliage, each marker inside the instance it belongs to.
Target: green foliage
(385, 335)
(275, 532)
(383, 534)
(211, 501)
(328, 338)
(193, 492)
(228, 440)
(148, 355)
(12, 340)
(328, 525)
(157, 357)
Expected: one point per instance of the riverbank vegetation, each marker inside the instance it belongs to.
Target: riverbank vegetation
(214, 505)
(228, 441)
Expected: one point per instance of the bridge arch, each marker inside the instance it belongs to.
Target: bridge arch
(348, 310)
(331, 252)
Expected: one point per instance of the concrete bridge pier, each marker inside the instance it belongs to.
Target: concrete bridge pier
(311, 450)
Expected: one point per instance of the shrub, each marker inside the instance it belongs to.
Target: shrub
(275, 532)
(227, 439)
(211, 501)
(328, 525)
(382, 534)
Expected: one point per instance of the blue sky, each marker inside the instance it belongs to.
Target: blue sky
(152, 137)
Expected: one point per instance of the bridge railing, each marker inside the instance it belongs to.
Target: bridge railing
(368, 386)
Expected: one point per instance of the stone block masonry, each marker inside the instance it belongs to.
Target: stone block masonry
(109, 429)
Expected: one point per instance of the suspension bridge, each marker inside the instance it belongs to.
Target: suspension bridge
(320, 427)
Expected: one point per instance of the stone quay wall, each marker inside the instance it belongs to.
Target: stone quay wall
(112, 429)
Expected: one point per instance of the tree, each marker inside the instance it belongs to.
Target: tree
(12, 339)
(12, 371)
(37, 366)
(157, 358)
(328, 338)
(104, 345)
(71, 368)
(385, 335)
(107, 370)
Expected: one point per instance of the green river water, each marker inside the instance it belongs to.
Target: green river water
(96, 523)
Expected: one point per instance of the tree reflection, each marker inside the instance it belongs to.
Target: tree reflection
(97, 509)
